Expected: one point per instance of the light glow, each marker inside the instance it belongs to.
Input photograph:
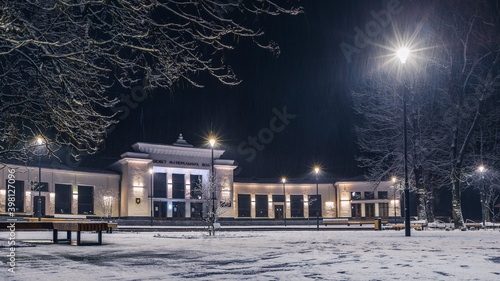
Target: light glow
(481, 168)
(316, 170)
(402, 54)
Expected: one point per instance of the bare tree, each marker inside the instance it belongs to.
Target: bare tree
(209, 193)
(470, 57)
(448, 106)
(380, 134)
(61, 59)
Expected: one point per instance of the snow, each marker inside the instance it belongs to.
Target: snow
(262, 255)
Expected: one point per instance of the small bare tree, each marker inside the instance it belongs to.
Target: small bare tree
(208, 192)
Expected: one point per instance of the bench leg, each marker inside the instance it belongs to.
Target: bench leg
(99, 237)
(55, 238)
(68, 236)
(78, 236)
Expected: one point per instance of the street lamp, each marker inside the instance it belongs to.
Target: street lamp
(318, 203)
(39, 141)
(481, 170)
(151, 172)
(212, 182)
(283, 180)
(394, 179)
(402, 54)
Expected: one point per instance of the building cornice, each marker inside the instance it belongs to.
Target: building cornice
(149, 148)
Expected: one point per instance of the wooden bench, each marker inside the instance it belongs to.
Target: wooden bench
(341, 221)
(54, 220)
(69, 227)
(418, 224)
(346, 221)
(110, 227)
(57, 226)
(20, 225)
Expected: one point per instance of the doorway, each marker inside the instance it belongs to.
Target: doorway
(278, 212)
(160, 209)
(35, 205)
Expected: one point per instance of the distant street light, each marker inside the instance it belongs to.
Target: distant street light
(394, 179)
(481, 170)
(283, 180)
(318, 203)
(212, 184)
(402, 54)
(151, 172)
(39, 141)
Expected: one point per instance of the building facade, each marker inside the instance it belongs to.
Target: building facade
(287, 200)
(174, 181)
(362, 199)
(92, 193)
(169, 182)
(344, 199)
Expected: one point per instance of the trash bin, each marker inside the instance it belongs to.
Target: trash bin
(378, 224)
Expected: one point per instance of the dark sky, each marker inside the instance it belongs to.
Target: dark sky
(311, 78)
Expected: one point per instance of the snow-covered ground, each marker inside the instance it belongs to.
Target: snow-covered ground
(254, 255)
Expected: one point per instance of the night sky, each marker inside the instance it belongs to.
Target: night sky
(311, 78)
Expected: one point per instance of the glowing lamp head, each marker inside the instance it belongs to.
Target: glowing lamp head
(316, 170)
(393, 179)
(150, 170)
(39, 140)
(403, 54)
(481, 168)
(212, 142)
(283, 179)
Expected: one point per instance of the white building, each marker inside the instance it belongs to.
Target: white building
(177, 176)
(173, 182)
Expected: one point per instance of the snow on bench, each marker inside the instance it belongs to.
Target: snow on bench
(341, 221)
(346, 221)
(70, 216)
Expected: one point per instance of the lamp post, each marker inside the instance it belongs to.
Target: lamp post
(151, 172)
(212, 182)
(318, 204)
(403, 55)
(39, 141)
(394, 179)
(481, 170)
(283, 180)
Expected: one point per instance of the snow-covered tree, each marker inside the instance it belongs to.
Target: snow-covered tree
(61, 59)
(469, 56)
(452, 98)
(210, 193)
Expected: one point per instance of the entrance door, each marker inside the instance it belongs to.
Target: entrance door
(370, 210)
(356, 210)
(160, 209)
(178, 210)
(278, 212)
(35, 206)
